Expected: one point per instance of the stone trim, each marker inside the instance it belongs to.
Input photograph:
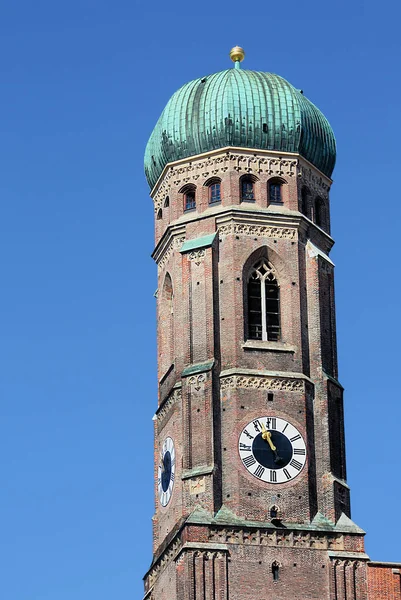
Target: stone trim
(251, 229)
(278, 538)
(197, 471)
(270, 346)
(261, 382)
(168, 403)
(162, 255)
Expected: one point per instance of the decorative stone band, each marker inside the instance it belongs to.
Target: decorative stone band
(197, 256)
(204, 167)
(174, 245)
(166, 557)
(287, 539)
(282, 233)
(176, 550)
(261, 382)
(174, 397)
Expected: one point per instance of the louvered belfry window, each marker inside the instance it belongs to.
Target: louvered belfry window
(263, 303)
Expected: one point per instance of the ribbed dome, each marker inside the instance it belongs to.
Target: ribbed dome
(240, 108)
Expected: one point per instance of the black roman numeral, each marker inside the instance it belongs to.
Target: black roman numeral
(286, 425)
(295, 438)
(172, 476)
(273, 476)
(297, 465)
(256, 424)
(248, 434)
(301, 451)
(244, 447)
(286, 473)
(249, 461)
(259, 471)
(271, 423)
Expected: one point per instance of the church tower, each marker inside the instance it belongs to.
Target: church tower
(250, 473)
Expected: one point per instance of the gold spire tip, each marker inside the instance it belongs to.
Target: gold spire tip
(237, 54)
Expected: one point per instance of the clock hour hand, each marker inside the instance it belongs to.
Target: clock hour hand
(267, 436)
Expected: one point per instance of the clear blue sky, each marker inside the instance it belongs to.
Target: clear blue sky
(82, 84)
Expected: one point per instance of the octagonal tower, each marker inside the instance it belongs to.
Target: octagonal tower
(250, 473)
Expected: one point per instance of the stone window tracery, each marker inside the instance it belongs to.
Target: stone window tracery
(263, 303)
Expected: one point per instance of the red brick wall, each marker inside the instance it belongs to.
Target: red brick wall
(384, 581)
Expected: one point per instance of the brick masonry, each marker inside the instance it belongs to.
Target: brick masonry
(216, 539)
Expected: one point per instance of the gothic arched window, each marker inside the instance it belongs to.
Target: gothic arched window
(247, 190)
(263, 303)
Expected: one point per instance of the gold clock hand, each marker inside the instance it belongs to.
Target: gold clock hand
(266, 435)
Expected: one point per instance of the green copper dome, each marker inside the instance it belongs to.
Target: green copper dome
(241, 108)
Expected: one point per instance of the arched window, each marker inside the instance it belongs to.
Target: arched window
(274, 512)
(304, 201)
(275, 570)
(189, 197)
(166, 202)
(247, 189)
(275, 192)
(159, 214)
(263, 303)
(319, 212)
(214, 186)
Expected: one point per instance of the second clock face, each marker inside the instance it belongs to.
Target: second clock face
(272, 449)
(166, 471)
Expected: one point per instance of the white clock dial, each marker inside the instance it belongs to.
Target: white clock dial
(272, 449)
(166, 471)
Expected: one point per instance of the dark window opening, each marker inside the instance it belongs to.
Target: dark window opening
(167, 202)
(275, 571)
(159, 214)
(319, 212)
(265, 129)
(304, 201)
(247, 190)
(263, 304)
(214, 193)
(273, 512)
(275, 196)
(189, 201)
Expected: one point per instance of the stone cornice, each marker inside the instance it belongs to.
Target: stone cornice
(212, 161)
(240, 220)
(266, 380)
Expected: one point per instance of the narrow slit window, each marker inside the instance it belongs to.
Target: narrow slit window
(263, 304)
(319, 212)
(275, 571)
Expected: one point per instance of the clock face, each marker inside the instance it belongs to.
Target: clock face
(166, 471)
(272, 449)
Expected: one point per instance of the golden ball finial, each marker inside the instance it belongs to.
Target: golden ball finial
(237, 54)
